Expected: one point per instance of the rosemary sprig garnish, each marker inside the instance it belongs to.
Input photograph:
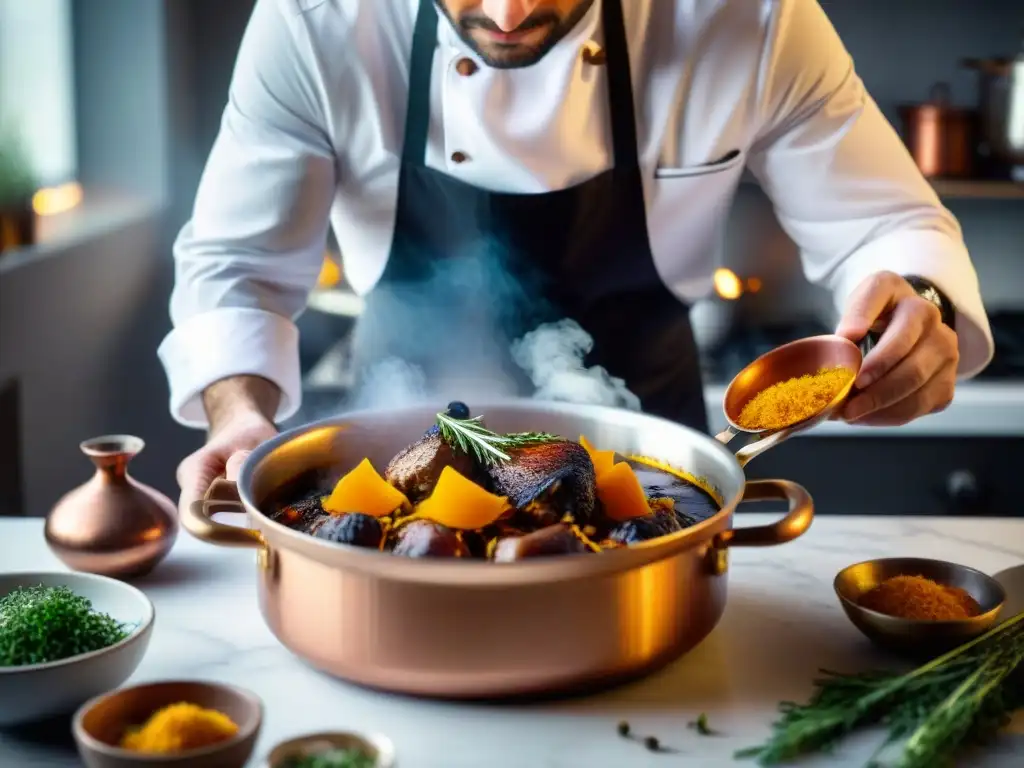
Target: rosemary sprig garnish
(961, 697)
(472, 437)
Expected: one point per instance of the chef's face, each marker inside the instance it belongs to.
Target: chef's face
(513, 33)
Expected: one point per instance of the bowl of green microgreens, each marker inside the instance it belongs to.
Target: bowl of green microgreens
(65, 638)
(333, 749)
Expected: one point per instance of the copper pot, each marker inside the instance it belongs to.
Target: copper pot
(940, 137)
(458, 629)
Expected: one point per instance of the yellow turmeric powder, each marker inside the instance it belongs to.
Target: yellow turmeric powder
(790, 402)
(178, 728)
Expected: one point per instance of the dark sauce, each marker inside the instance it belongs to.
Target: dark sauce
(692, 503)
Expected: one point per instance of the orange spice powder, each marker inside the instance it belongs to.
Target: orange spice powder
(794, 400)
(918, 598)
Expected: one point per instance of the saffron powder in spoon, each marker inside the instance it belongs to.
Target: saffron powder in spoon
(790, 402)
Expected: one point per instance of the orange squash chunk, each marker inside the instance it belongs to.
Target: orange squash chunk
(458, 502)
(621, 493)
(602, 460)
(364, 490)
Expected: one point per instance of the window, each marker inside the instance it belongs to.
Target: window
(36, 85)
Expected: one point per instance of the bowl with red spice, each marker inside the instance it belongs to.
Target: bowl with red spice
(919, 606)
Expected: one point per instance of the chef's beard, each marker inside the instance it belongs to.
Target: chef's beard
(515, 55)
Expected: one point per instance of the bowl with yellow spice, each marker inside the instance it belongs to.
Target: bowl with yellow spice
(919, 606)
(186, 724)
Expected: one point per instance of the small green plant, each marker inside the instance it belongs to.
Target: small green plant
(17, 180)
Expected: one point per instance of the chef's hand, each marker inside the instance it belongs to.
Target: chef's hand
(223, 454)
(911, 371)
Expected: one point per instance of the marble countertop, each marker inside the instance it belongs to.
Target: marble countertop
(781, 625)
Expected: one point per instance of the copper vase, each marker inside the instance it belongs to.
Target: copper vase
(112, 525)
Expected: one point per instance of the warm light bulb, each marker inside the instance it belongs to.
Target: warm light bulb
(727, 284)
(53, 200)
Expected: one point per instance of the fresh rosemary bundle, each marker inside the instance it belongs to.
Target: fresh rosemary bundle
(960, 698)
(470, 436)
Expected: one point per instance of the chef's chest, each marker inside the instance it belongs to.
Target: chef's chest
(541, 129)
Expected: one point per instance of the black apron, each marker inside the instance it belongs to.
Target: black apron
(470, 270)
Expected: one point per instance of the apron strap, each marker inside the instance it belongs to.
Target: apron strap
(421, 64)
(620, 85)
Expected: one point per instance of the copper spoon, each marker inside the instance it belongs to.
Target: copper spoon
(798, 358)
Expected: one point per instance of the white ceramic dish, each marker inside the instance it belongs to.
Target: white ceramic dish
(38, 691)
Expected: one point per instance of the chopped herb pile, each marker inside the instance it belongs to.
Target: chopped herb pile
(43, 624)
(332, 758)
(959, 699)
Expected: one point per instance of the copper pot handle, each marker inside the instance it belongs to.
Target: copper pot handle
(794, 524)
(221, 497)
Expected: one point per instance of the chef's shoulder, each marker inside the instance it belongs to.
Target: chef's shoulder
(335, 32)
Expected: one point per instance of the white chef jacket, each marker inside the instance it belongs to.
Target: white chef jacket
(313, 129)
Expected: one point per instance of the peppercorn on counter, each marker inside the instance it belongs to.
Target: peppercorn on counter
(782, 624)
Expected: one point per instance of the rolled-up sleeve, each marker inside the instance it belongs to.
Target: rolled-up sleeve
(843, 185)
(248, 258)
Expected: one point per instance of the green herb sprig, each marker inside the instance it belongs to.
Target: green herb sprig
(332, 758)
(962, 697)
(471, 437)
(43, 624)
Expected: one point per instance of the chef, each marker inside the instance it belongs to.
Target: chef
(595, 146)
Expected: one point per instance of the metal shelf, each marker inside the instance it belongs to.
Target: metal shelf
(969, 189)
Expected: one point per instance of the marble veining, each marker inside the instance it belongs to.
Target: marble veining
(782, 623)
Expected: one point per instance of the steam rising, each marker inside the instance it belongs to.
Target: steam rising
(471, 330)
(553, 356)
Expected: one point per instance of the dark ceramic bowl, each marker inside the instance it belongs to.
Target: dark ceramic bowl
(910, 637)
(100, 724)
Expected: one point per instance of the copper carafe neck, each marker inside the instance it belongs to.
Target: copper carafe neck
(111, 454)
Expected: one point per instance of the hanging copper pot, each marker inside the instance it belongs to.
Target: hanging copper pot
(941, 138)
(112, 525)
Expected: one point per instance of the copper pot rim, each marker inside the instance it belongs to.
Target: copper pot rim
(712, 532)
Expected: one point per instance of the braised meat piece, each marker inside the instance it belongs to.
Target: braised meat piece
(416, 469)
(354, 528)
(659, 523)
(546, 481)
(302, 515)
(553, 540)
(423, 538)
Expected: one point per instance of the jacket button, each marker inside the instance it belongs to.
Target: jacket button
(459, 157)
(594, 54)
(466, 67)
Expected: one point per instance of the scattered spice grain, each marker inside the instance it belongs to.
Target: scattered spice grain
(794, 400)
(652, 744)
(920, 599)
(700, 725)
(623, 729)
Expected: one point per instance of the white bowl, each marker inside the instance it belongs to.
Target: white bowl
(37, 691)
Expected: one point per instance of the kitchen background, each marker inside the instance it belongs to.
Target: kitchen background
(118, 102)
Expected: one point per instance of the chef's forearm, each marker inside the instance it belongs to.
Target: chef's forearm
(240, 396)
